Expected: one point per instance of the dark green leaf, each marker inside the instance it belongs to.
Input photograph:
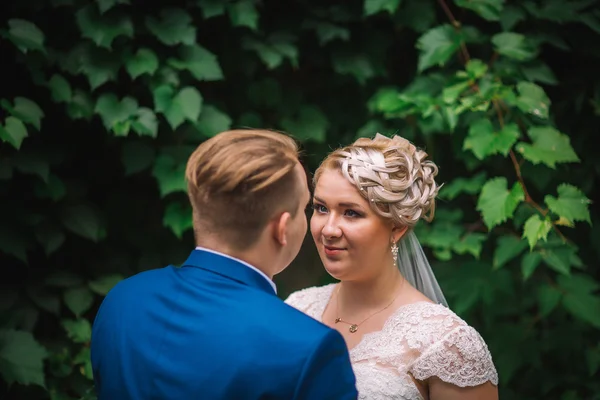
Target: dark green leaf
(511, 16)
(584, 306)
(50, 236)
(13, 132)
(357, 65)
(78, 300)
(103, 30)
(105, 5)
(375, 6)
(178, 217)
(32, 163)
(21, 358)
(548, 298)
(83, 221)
(25, 35)
(549, 147)
(105, 283)
(79, 331)
(212, 8)
(53, 189)
(112, 111)
(529, 264)
(327, 31)
(470, 243)
(509, 247)
(243, 13)
(539, 72)
(28, 111)
(514, 45)
(483, 141)
(497, 203)
(310, 124)
(63, 279)
(437, 45)
(190, 102)
(81, 106)
(487, 9)
(173, 27)
(416, 14)
(170, 174)
(60, 89)
(144, 61)
(44, 299)
(213, 121)
(201, 63)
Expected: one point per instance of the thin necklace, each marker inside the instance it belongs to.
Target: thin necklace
(354, 327)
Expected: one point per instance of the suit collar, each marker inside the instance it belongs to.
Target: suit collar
(230, 267)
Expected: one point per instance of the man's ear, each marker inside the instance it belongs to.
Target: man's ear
(398, 232)
(280, 227)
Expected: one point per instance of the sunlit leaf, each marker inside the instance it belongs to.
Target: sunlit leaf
(484, 141)
(549, 147)
(571, 203)
(536, 229)
(497, 203)
(144, 61)
(437, 45)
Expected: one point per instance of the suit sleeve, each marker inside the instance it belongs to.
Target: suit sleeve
(327, 373)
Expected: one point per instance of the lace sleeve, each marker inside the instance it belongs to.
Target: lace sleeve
(460, 358)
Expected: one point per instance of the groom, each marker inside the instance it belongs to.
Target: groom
(214, 328)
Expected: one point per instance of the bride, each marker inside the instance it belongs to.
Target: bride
(404, 341)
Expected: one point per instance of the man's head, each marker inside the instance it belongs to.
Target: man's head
(248, 192)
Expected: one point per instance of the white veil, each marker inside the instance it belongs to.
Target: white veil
(414, 267)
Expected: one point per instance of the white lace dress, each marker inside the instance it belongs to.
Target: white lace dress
(421, 339)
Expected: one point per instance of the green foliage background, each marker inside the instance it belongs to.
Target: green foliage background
(102, 102)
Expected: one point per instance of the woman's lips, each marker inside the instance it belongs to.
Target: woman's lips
(333, 251)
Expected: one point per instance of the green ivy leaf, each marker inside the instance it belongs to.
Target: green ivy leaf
(497, 203)
(212, 8)
(483, 141)
(460, 185)
(583, 306)
(571, 204)
(357, 65)
(78, 300)
(21, 358)
(532, 99)
(105, 283)
(81, 106)
(178, 217)
(82, 220)
(102, 30)
(509, 247)
(105, 5)
(549, 147)
(79, 331)
(60, 89)
(28, 111)
(243, 13)
(375, 6)
(273, 51)
(327, 31)
(173, 27)
(112, 111)
(560, 257)
(437, 45)
(529, 264)
(144, 61)
(310, 124)
(190, 101)
(212, 121)
(13, 132)
(25, 35)
(170, 174)
(163, 97)
(145, 122)
(471, 243)
(136, 157)
(416, 14)
(487, 9)
(50, 236)
(98, 64)
(535, 229)
(511, 16)
(514, 45)
(476, 68)
(44, 299)
(53, 189)
(548, 298)
(539, 72)
(201, 63)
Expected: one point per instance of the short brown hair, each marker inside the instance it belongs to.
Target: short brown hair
(238, 180)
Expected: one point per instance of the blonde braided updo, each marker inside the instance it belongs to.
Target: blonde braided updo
(392, 174)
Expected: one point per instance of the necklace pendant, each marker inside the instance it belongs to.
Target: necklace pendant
(337, 320)
(353, 328)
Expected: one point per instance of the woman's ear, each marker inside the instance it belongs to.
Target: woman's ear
(398, 232)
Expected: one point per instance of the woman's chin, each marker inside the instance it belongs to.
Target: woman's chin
(336, 271)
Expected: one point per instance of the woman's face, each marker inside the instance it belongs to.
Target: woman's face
(352, 240)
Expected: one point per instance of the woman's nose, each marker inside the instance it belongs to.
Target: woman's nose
(331, 229)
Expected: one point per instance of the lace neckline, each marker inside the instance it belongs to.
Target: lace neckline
(369, 335)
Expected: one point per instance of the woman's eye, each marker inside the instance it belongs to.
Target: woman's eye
(319, 208)
(352, 213)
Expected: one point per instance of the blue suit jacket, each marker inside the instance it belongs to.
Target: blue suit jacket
(212, 329)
